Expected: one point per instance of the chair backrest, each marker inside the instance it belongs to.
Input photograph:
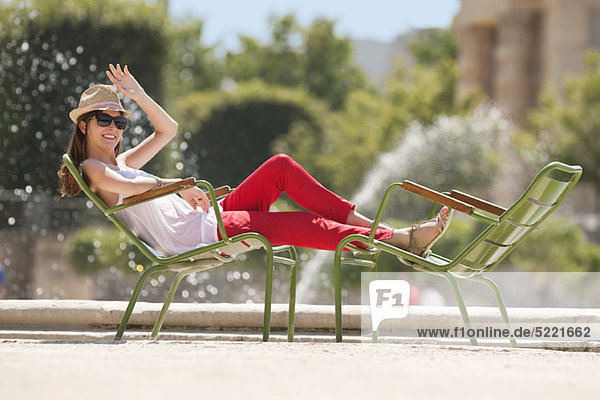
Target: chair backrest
(545, 193)
(144, 248)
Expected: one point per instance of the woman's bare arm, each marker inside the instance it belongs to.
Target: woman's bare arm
(104, 178)
(165, 126)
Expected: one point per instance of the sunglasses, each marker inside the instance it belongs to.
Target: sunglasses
(105, 120)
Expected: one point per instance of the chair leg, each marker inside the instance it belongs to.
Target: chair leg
(500, 300)
(461, 304)
(337, 277)
(268, 291)
(134, 297)
(374, 334)
(292, 304)
(167, 302)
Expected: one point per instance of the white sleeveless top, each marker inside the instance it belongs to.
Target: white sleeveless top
(168, 224)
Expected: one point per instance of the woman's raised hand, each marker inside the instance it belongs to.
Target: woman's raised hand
(124, 81)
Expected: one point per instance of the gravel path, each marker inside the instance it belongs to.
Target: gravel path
(249, 370)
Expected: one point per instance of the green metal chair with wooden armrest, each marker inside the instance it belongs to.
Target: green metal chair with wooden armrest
(506, 229)
(200, 259)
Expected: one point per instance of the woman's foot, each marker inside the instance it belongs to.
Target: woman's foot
(422, 236)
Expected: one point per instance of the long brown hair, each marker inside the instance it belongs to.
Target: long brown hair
(77, 150)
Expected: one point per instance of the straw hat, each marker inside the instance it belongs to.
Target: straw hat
(98, 97)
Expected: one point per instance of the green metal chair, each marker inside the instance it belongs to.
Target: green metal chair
(506, 229)
(201, 259)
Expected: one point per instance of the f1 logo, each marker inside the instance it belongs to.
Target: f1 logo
(389, 299)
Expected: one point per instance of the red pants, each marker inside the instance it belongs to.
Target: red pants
(246, 209)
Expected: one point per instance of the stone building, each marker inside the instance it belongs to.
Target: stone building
(512, 49)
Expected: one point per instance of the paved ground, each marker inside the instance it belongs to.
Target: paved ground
(249, 370)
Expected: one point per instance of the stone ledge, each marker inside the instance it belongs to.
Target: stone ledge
(93, 321)
(89, 314)
(84, 314)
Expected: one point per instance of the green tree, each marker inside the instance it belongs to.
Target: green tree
(190, 66)
(278, 63)
(227, 135)
(329, 71)
(428, 89)
(568, 129)
(431, 46)
(370, 123)
(313, 58)
(422, 93)
(570, 250)
(351, 139)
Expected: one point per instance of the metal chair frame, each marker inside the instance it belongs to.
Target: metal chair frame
(200, 259)
(507, 228)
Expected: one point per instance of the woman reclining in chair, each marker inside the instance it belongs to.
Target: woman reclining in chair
(173, 224)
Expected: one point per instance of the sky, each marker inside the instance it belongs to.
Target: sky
(381, 20)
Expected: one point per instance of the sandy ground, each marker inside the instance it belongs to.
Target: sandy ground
(249, 370)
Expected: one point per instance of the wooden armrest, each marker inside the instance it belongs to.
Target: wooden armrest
(152, 193)
(438, 197)
(222, 191)
(478, 203)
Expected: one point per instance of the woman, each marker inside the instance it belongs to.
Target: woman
(174, 224)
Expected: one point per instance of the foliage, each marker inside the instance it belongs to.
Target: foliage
(228, 135)
(428, 89)
(568, 129)
(371, 123)
(50, 52)
(330, 74)
(96, 247)
(278, 63)
(559, 245)
(354, 135)
(423, 92)
(190, 65)
(313, 59)
(432, 46)
(453, 152)
(362, 125)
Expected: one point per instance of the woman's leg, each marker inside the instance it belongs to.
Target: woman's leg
(282, 174)
(307, 230)
(296, 228)
(246, 210)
